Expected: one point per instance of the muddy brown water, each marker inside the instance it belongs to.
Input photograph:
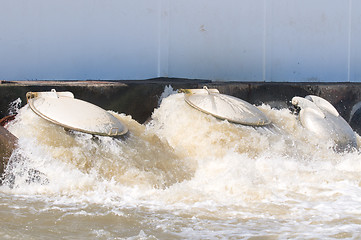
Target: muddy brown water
(183, 175)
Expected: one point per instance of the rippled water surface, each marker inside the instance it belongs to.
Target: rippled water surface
(183, 175)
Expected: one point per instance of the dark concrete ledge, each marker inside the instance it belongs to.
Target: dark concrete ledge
(136, 98)
(139, 98)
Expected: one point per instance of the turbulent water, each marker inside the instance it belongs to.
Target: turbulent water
(183, 175)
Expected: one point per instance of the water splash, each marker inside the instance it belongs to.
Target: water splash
(14, 107)
(168, 90)
(185, 168)
(139, 159)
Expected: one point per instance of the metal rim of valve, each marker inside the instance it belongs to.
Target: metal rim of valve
(63, 109)
(225, 107)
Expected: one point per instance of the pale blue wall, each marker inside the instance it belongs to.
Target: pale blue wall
(216, 39)
(78, 39)
(244, 40)
(355, 41)
(307, 40)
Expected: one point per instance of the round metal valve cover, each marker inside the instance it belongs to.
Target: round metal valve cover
(75, 114)
(321, 118)
(225, 107)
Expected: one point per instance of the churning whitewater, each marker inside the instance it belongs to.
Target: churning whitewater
(183, 175)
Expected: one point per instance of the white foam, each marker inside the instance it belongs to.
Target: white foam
(189, 163)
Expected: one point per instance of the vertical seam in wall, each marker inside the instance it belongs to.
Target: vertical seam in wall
(166, 19)
(159, 38)
(163, 38)
(264, 39)
(349, 41)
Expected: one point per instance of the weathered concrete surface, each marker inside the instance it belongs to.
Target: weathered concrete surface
(139, 98)
(7, 145)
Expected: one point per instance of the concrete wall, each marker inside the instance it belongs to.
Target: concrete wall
(242, 40)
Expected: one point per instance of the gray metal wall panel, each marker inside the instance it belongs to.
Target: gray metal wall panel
(307, 40)
(244, 40)
(355, 41)
(83, 39)
(220, 40)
